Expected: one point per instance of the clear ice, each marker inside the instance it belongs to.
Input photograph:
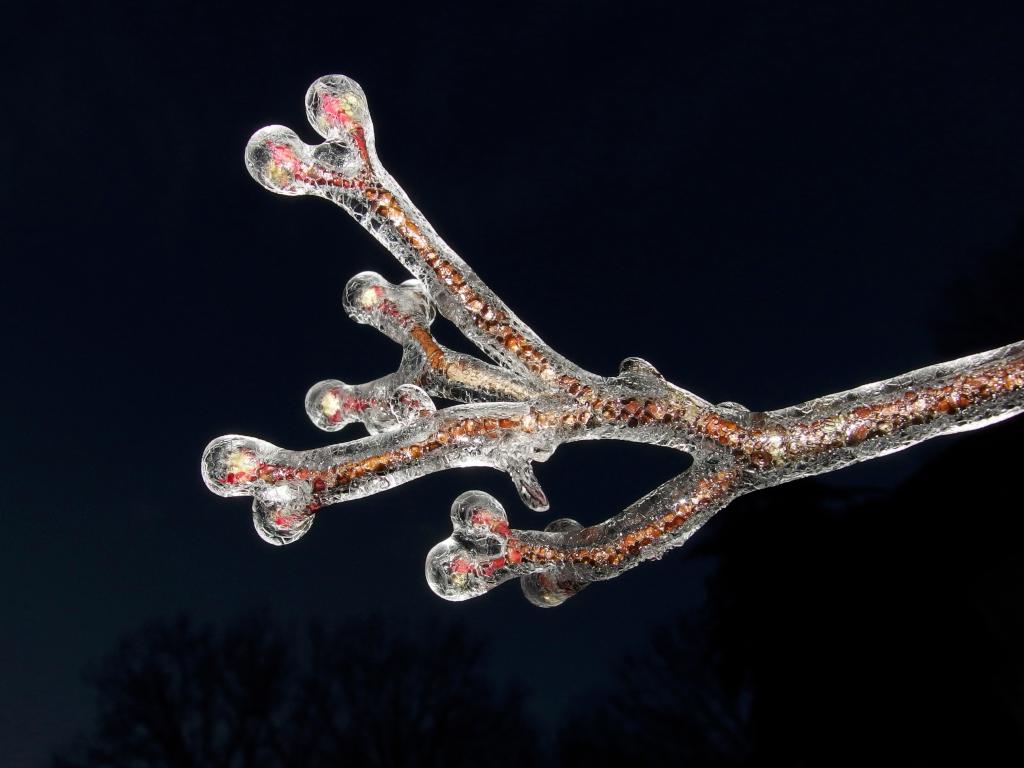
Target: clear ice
(519, 406)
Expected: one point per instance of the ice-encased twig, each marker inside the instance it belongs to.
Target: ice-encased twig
(534, 399)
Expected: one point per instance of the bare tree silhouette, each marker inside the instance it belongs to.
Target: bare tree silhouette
(670, 705)
(823, 643)
(379, 698)
(178, 696)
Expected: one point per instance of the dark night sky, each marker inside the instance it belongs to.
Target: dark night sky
(769, 201)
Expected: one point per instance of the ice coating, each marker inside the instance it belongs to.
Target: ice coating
(524, 403)
(552, 587)
(283, 513)
(468, 563)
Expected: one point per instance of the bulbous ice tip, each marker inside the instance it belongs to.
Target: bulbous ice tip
(549, 589)
(330, 405)
(232, 464)
(452, 573)
(277, 158)
(370, 299)
(281, 515)
(478, 516)
(336, 107)
(364, 294)
(475, 557)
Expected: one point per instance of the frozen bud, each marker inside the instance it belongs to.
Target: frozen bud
(232, 464)
(278, 160)
(453, 572)
(637, 366)
(336, 108)
(408, 403)
(282, 514)
(474, 558)
(551, 588)
(478, 516)
(332, 404)
(372, 300)
(338, 162)
(366, 294)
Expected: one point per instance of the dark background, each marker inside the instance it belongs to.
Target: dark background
(769, 201)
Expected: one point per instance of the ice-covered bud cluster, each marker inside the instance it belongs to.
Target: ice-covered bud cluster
(517, 407)
(282, 500)
(379, 405)
(476, 556)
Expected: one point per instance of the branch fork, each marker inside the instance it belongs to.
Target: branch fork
(526, 400)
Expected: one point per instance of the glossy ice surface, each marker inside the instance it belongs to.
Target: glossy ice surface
(521, 405)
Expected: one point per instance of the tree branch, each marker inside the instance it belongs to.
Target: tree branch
(533, 400)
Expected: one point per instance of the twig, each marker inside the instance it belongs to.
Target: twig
(532, 400)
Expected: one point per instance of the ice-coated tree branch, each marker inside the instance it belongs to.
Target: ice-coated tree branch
(519, 408)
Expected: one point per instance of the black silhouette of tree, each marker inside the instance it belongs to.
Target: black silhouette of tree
(670, 707)
(841, 627)
(838, 630)
(378, 698)
(888, 628)
(177, 696)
